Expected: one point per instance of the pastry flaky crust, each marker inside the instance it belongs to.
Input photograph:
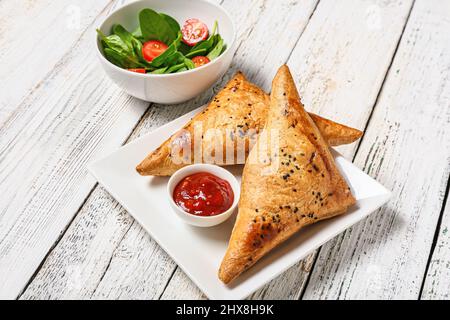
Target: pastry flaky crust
(292, 157)
(239, 112)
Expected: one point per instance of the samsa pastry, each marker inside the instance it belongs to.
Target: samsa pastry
(290, 156)
(227, 129)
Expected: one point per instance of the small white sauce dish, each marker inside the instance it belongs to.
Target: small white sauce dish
(176, 87)
(203, 221)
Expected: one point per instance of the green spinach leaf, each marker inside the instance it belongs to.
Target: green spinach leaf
(123, 34)
(189, 64)
(175, 58)
(122, 59)
(113, 42)
(200, 52)
(155, 27)
(159, 71)
(175, 68)
(160, 60)
(216, 51)
(172, 22)
(181, 69)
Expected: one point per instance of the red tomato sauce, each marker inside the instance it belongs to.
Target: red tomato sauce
(203, 194)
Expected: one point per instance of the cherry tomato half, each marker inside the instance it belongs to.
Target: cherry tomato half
(153, 48)
(138, 70)
(194, 31)
(200, 60)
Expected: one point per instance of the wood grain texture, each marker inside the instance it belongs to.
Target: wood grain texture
(68, 113)
(76, 272)
(437, 280)
(406, 148)
(135, 282)
(74, 116)
(337, 57)
(107, 219)
(51, 281)
(25, 57)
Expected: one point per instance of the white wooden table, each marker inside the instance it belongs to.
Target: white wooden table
(380, 66)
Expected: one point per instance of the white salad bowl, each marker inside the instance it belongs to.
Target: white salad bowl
(202, 221)
(176, 87)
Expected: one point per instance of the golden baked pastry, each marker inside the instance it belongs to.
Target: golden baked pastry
(234, 117)
(290, 180)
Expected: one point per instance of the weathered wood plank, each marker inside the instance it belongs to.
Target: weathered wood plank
(27, 30)
(437, 280)
(102, 220)
(101, 233)
(406, 148)
(74, 116)
(126, 275)
(181, 287)
(343, 53)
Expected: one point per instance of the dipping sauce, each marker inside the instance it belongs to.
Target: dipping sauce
(203, 194)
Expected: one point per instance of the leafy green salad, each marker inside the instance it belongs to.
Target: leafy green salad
(160, 46)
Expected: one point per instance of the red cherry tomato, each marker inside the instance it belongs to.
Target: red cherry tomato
(194, 31)
(138, 70)
(200, 60)
(153, 48)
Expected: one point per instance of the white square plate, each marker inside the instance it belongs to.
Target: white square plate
(199, 251)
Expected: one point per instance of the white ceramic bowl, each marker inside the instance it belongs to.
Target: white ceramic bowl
(177, 87)
(201, 221)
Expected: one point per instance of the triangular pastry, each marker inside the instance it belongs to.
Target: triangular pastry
(290, 180)
(237, 113)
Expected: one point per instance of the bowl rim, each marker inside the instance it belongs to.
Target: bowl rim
(205, 166)
(169, 75)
